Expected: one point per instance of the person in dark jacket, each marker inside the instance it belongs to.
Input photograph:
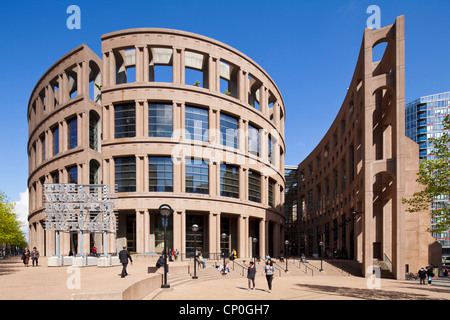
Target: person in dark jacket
(124, 255)
(251, 273)
(422, 275)
(160, 263)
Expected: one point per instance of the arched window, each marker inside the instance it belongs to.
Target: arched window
(94, 171)
(94, 121)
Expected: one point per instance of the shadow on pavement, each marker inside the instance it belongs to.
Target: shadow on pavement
(366, 294)
(10, 266)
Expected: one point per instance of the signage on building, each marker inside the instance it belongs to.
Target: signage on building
(76, 207)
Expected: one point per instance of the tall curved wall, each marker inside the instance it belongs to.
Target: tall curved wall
(365, 164)
(174, 118)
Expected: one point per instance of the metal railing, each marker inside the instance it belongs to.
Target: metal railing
(302, 265)
(240, 268)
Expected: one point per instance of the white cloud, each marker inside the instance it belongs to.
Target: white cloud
(21, 210)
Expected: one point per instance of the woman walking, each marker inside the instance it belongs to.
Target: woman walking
(268, 270)
(251, 273)
(26, 256)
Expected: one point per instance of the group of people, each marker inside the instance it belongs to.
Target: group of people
(268, 271)
(33, 255)
(426, 274)
(173, 254)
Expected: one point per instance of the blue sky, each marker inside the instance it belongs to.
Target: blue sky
(309, 48)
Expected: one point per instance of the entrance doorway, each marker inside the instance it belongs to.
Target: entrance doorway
(200, 237)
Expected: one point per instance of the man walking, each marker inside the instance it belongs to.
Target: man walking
(35, 256)
(124, 255)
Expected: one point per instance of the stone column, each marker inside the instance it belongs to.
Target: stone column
(263, 234)
(179, 239)
(214, 223)
(146, 229)
(140, 230)
(243, 238)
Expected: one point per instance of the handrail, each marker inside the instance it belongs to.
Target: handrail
(337, 265)
(387, 262)
(277, 268)
(240, 265)
(300, 263)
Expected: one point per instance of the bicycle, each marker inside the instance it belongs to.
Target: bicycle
(411, 276)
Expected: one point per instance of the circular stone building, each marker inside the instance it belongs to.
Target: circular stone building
(168, 117)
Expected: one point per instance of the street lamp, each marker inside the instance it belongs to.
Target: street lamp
(254, 250)
(321, 253)
(286, 244)
(224, 237)
(195, 229)
(165, 210)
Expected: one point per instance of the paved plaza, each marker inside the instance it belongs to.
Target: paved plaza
(18, 282)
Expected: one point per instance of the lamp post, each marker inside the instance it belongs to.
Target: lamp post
(165, 210)
(195, 229)
(286, 244)
(224, 237)
(321, 253)
(254, 250)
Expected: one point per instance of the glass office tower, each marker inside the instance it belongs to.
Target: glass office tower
(424, 121)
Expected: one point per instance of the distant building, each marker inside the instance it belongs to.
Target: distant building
(424, 121)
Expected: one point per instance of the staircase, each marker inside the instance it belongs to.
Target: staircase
(210, 272)
(238, 269)
(385, 271)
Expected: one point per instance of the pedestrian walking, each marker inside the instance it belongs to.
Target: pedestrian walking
(251, 273)
(430, 275)
(26, 256)
(124, 255)
(268, 270)
(34, 256)
(422, 275)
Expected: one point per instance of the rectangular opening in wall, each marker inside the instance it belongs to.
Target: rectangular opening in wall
(196, 69)
(131, 74)
(95, 81)
(55, 88)
(193, 77)
(73, 85)
(160, 65)
(163, 73)
(130, 65)
(228, 79)
(225, 86)
(254, 86)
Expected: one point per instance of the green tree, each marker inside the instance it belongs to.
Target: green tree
(434, 175)
(10, 233)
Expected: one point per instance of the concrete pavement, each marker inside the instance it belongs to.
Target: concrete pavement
(18, 282)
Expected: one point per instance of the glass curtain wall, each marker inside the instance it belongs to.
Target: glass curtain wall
(197, 124)
(160, 120)
(160, 174)
(125, 121)
(197, 176)
(125, 174)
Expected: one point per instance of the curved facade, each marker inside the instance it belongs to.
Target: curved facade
(351, 186)
(169, 117)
